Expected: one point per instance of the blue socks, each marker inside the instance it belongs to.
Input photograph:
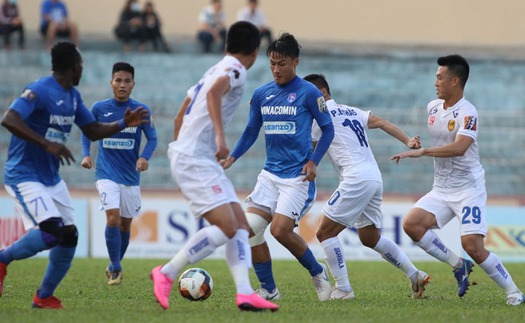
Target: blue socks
(113, 245)
(124, 242)
(310, 263)
(28, 245)
(263, 270)
(60, 259)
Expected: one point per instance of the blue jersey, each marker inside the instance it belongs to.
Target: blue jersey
(286, 114)
(50, 110)
(118, 154)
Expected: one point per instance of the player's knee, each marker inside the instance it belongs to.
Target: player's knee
(258, 225)
(51, 230)
(70, 237)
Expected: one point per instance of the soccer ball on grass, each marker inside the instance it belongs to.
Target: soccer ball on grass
(195, 284)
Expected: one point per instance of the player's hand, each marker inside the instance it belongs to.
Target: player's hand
(136, 117)
(142, 165)
(87, 162)
(226, 163)
(411, 154)
(310, 171)
(61, 152)
(222, 149)
(414, 143)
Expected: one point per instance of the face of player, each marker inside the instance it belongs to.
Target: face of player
(77, 72)
(283, 68)
(444, 83)
(122, 84)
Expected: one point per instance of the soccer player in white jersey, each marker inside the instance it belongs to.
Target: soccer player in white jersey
(459, 182)
(285, 189)
(357, 200)
(119, 166)
(199, 145)
(40, 121)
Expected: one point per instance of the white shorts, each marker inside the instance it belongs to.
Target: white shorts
(118, 196)
(291, 197)
(37, 202)
(469, 206)
(202, 182)
(356, 204)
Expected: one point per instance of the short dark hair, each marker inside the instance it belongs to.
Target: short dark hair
(319, 80)
(64, 55)
(286, 45)
(457, 65)
(242, 38)
(123, 66)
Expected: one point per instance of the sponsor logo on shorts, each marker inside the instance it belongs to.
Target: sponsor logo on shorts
(216, 189)
(118, 143)
(279, 127)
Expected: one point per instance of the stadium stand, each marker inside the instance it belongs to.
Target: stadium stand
(395, 85)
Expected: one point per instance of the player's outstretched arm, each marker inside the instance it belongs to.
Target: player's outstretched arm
(97, 130)
(375, 122)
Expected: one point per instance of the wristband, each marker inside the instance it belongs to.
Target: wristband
(121, 124)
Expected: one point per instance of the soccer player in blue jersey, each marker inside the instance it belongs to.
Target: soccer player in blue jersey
(119, 165)
(199, 145)
(285, 188)
(40, 121)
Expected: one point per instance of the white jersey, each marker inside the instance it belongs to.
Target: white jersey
(350, 150)
(197, 134)
(459, 172)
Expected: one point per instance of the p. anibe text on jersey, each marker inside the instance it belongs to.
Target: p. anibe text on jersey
(342, 111)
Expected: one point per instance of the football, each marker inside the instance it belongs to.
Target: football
(195, 284)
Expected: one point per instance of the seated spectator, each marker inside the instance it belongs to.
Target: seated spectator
(152, 26)
(131, 26)
(55, 22)
(252, 14)
(11, 22)
(212, 26)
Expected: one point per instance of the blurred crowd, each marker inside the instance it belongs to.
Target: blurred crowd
(139, 25)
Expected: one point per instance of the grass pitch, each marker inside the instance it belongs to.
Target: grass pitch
(382, 295)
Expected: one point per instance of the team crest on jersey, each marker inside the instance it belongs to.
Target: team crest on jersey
(451, 125)
(471, 123)
(431, 120)
(28, 95)
(292, 97)
(321, 104)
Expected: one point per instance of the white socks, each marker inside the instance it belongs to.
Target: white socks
(394, 255)
(239, 259)
(436, 248)
(336, 262)
(495, 269)
(200, 245)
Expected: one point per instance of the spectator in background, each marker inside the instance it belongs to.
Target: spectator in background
(55, 22)
(252, 14)
(131, 26)
(152, 26)
(212, 26)
(10, 22)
